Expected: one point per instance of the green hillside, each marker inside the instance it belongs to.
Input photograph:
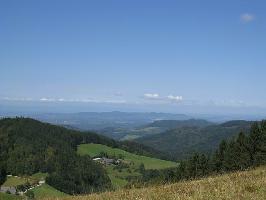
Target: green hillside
(120, 176)
(149, 163)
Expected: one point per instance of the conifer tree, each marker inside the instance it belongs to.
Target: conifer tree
(218, 157)
(260, 153)
(230, 157)
(242, 158)
(254, 143)
(204, 165)
(2, 175)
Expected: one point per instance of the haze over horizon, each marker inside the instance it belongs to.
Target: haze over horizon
(143, 55)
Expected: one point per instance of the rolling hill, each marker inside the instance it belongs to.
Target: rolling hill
(184, 140)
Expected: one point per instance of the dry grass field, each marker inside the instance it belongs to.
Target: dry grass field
(245, 185)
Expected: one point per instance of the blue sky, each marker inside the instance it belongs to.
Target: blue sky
(138, 52)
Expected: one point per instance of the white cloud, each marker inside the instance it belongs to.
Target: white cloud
(247, 17)
(152, 96)
(175, 98)
(163, 99)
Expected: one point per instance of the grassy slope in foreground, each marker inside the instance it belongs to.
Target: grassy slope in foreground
(240, 185)
(149, 163)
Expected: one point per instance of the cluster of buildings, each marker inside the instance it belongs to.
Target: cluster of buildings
(107, 161)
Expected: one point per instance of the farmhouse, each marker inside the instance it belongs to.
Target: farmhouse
(97, 159)
(11, 190)
(105, 161)
(108, 161)
(41, 182)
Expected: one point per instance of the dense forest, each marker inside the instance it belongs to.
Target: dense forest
(28, 146)
(242, 152)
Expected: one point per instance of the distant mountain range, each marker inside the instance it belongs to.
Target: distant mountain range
(101, 120)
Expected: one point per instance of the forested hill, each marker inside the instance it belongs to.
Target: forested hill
(183, 141)
(28, 146)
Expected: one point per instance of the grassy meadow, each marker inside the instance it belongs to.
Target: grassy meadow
(149, 163)
(245, 185)
(119, 177)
